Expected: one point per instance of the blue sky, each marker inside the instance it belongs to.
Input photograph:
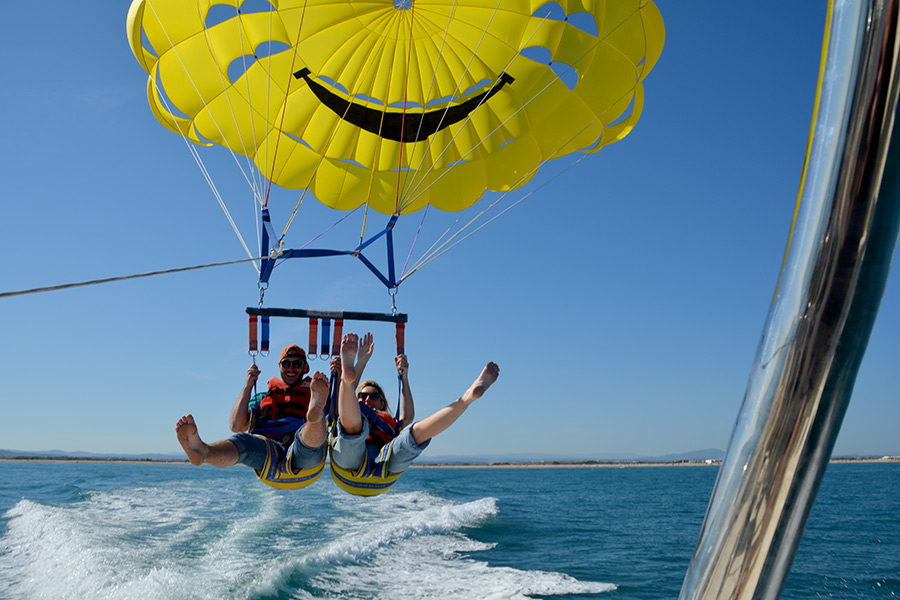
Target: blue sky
(624, 300)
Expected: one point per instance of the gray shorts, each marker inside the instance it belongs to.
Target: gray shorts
(252, 451)
(347, 451)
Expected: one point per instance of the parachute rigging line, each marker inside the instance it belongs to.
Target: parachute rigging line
(524, 105)
(194, 152)
(413, 245)
(417, 182)
(431, 254)
(412, 12)
(284, 110)
(299, 75)
(257, 182)
(447, 246)
(440, 55)
(212, 48)
(196, 89)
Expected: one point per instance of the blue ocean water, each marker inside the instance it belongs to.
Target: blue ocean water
(121, 531)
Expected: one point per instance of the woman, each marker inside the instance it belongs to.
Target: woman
(369, 450)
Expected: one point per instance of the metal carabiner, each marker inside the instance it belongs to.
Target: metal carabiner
(263, 286)
(393, 292)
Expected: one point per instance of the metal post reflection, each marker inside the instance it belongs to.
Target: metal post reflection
(820, 321)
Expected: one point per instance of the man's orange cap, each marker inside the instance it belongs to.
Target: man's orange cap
(292, 349)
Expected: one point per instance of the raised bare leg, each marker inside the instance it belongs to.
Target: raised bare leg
(348, 406)
(313, 433)
(218, 454)
(427, 428)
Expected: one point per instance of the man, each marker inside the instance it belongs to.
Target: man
(292, 458)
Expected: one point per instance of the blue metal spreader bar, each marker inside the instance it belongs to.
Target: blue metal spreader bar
(268, 237)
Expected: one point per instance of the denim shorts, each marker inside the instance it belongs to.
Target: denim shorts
(347, 451)
(252, 451)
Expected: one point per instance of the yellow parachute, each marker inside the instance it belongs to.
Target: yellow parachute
(398, 104)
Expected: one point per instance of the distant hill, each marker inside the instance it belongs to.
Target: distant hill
(426, 459)
(694, 456)
(479, 459)
(62, 454)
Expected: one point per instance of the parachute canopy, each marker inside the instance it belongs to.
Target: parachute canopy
(439, 99)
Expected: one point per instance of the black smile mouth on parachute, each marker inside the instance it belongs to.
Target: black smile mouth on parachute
(399, 127)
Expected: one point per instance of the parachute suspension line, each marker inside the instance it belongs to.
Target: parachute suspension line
(329, 228)
(193, 151)
(418, 169)
(493, 85)
(287, 93)
(193, 83)
(362, 232)
(257, 183)
(428, 254)
(215, 190)
(440, 53)
(298, 75)
(250, 167)
(535, 96)
(412, 17)
(434, 77)
(432, 254)
(446, 246)
(321, 159)
(413, 246)
(296, 208)
(265, 160)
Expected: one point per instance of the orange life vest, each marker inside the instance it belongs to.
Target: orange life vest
(282, 401)
(381, 433)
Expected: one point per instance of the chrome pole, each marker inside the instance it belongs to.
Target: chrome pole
(820, 321)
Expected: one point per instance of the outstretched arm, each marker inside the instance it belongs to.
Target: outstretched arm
(240, 412)
(407, 408)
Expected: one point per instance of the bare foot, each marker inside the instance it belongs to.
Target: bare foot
(186, 431)
(317, 398)
(485, 380)
(349, 348)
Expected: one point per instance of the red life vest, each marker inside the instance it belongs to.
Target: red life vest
(379, 435)
(283, 401)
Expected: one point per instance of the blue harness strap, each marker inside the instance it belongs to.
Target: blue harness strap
(377, 421)
(278, 426)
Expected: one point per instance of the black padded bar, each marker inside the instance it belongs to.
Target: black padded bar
(327, 314)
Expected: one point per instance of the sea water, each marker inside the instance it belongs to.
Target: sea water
(95, 530)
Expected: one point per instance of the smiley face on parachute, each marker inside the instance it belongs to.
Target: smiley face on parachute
(459, 96)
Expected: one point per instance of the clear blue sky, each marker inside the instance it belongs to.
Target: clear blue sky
(624, 301)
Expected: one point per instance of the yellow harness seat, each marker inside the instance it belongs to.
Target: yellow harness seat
(371, 478)
(277, 472)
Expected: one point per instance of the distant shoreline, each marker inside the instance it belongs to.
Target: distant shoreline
(504, 465)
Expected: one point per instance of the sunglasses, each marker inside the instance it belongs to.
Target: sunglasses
(372, 395)
(292, 363)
